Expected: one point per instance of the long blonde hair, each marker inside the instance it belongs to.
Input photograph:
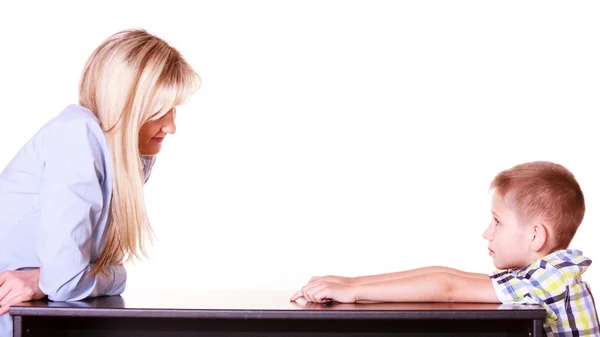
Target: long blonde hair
(131, 78)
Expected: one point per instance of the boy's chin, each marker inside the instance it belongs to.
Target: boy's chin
(503, 265)
(500, 265)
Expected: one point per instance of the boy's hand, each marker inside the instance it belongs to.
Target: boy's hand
(19, 286)
(320, 291)
(333, 278)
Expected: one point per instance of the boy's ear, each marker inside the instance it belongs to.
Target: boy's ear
(540, 236)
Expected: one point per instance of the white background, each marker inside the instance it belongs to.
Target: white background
(330, 137)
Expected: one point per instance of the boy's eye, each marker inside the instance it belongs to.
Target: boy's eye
(496, 222)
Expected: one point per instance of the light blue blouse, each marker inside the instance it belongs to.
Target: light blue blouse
(54, 206)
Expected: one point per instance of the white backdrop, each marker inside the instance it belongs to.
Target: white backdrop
(330, 137)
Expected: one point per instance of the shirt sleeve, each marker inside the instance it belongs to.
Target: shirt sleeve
(545, 283)
(71, 202)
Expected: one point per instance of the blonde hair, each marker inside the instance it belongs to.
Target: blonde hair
(131, 78)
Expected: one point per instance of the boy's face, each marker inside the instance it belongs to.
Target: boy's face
(509, 240)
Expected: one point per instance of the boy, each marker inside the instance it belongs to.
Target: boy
(536, 210)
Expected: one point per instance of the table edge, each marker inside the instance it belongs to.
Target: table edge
(531, 314)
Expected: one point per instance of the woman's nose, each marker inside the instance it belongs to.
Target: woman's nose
(169, 126)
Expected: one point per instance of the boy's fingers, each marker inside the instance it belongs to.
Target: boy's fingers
(296, 296)
(321, 296)
(310, 293)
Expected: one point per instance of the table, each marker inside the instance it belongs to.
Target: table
(269, 314)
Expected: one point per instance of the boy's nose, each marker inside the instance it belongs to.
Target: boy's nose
(488, 234)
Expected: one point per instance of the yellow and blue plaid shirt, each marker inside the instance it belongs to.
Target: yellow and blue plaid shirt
(553, 282)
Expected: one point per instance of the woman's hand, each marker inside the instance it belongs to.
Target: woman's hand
(19, 286)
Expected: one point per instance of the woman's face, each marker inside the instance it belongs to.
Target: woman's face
(153, 133)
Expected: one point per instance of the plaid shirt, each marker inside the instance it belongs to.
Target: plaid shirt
(553, 282)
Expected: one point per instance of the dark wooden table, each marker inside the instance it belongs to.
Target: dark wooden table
(220, 314)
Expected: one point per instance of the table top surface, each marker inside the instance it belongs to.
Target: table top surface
(238, 304)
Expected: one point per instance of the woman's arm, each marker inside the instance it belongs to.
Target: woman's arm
(72, 202)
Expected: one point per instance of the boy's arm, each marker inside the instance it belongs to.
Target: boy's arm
(396, 275)
(414, 272)
(429, 287)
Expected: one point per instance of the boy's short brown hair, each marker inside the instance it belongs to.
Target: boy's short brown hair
(546, 191)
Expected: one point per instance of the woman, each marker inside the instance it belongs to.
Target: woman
(71, 201)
